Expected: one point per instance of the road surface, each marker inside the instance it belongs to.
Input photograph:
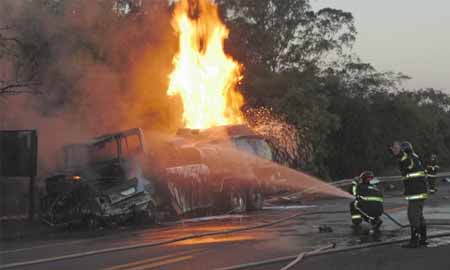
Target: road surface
(288, 238)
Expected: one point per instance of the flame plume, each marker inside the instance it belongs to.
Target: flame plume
(204, 77)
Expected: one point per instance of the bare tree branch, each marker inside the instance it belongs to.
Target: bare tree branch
(21, 82)
(11, 88)
(6, 39)
(5, 27)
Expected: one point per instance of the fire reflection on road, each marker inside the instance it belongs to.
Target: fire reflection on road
(219, 239)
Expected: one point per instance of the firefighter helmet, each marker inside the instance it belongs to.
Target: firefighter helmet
(406, 147)
(366, 176)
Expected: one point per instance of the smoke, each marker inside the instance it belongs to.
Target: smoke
(98, 66)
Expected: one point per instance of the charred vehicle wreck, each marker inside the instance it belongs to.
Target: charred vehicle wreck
(101, 182)
(114, 178)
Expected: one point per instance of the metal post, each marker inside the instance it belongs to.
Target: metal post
(31, 199)
(33, 173)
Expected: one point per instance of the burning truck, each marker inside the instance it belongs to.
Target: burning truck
(216, 165)
(114, 178)
(207, 171)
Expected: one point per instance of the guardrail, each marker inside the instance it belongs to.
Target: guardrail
(396, 178)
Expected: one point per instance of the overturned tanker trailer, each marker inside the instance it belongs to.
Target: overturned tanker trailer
(114, 178)
(214, 171)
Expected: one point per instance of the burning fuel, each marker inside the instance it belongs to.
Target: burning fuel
(204, 77)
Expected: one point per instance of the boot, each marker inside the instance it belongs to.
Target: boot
(423, 236)
(414, 241)
(376, 223)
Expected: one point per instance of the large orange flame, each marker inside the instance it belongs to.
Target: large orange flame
(204, 76)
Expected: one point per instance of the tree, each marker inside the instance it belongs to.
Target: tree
(285, 46)
(285, 34)
(18, 64)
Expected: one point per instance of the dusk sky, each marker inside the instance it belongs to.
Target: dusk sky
(409, 36)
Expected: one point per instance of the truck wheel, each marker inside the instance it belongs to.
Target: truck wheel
(91, 222)
(238, 202)
(150, 215)
(254, 201)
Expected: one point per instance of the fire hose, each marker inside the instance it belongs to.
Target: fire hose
(325, 251)
(192, 236)
(303, 254)
(394, 220)
(163, 242)
(434, 223)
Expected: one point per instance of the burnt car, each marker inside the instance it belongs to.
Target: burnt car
(101, 182)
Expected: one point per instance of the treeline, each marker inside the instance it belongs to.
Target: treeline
(300, 63)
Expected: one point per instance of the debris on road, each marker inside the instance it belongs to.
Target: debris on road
(325, 229)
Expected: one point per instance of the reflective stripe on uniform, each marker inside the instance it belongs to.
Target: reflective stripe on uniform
(411, 165)
(421, 196)
(404, 157)
(356, 216)
(371, 199)
(415, 174)
(354, 189)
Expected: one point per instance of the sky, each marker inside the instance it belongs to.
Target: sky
(408, 36)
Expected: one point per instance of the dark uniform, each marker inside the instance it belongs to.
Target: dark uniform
(414, 179)
(432, 170)
(368, 205)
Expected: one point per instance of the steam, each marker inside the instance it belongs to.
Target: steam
(283, 136)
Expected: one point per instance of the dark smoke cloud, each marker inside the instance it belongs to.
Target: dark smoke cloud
(99, 70)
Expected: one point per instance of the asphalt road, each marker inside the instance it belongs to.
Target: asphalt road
(382, 258)
(289, 238)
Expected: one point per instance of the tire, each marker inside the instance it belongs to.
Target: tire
(150, 215)
(254, 201)
(238, 202)
(91, 222)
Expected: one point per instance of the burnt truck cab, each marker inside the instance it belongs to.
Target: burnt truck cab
(102, 181)
(217, 170)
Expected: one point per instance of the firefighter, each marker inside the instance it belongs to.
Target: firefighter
(432, 170)
(414, 180)
(368, 203)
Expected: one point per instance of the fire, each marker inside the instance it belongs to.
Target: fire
(204, 76)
